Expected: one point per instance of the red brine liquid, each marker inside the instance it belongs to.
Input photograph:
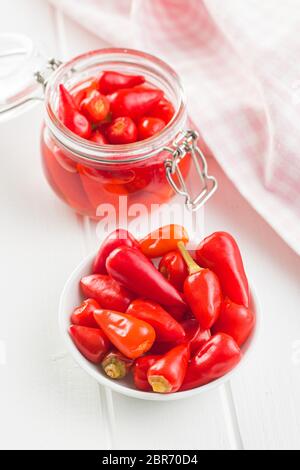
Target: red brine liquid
(85, 186)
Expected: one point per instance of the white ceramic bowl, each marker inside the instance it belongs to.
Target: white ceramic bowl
(72, 297)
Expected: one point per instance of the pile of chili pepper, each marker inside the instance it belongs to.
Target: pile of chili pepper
(175, 327)
(114, 108)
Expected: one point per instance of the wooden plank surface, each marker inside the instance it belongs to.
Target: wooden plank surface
(203, 428)
(46, 400)
(266, 392)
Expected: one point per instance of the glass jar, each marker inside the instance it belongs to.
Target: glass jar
(87, 175)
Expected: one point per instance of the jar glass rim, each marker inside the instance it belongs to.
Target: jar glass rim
(133, 152)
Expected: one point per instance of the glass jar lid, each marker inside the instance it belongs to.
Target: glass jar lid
(19, 62)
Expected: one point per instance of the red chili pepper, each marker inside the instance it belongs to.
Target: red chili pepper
(163, 110)
(117, 238)
(202, 291)
(149, 126)
(235, 320)
(173, 268)
(84, 314)
(91, 342)
(95, 106)
(82, 90)
(165, 239)
(215, 359)
(106, 291)
(163, 347)
(134, 102)
(116, 365)
(194, 335)
(165, 326)
(63, 175)
(113, 81)
(220, 253)
(131, 336)
(122, 130)
(167, 373)
(140, 371)
(98, 138)
(136, 272)
(70, 116)
(142, 178)
(96, 189)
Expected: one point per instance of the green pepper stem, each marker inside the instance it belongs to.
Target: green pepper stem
(160, 384)
(193, 267)
(114, 367)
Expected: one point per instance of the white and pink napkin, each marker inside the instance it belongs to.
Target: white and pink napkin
(240, 64)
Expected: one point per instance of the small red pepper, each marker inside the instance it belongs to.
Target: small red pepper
(91, 342)
(161, 241)
(70, 116)
(220, 253)
(110, 81)
(174, 269)
(117, 238)
(202, 291)
(143, 178)
(122, 130)
(163, 348)
(165, 326)
(116, 365)
(131, 336)
(136, 272)
(106, 291)
(235, 320)
(163, 110)
(84, 314)
(82, 90)
(216, 358)
(98, 138)
(134, 102)
(167, 373)
(140, 371)
(149, 126)
(195, 336)
(95, 106)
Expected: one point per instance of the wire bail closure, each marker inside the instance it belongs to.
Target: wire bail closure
(41, 77)
(186, 143)
(51, 66)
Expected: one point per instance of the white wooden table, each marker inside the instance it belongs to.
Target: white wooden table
(46, 401)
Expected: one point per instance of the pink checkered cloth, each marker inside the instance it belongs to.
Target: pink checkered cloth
(240, 64)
